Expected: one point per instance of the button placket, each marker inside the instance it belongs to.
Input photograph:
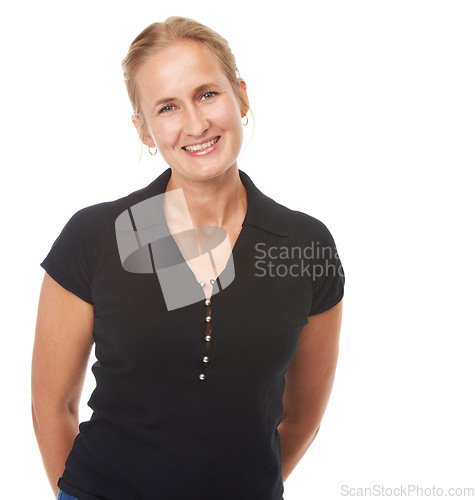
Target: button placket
(207, 336)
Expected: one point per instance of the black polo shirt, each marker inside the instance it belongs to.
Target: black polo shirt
(188, 399)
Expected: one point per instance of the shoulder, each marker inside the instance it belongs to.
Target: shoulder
(305, 228)
(94, 219)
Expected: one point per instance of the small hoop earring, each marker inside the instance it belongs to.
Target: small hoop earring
(150, 151)
(247, 121)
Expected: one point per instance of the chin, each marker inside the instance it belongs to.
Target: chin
(205, 171)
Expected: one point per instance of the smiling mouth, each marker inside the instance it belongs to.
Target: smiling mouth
(201, 147)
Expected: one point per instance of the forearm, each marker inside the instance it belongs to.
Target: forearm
(295, 439)
(55, 434)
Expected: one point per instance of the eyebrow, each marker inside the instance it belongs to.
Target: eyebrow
(204, 86)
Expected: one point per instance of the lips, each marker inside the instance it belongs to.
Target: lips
(201, 146)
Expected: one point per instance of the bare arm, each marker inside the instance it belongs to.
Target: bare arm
(63, 342)
(308, 384)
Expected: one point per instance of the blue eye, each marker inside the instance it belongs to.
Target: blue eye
(206, 97)
(168, 107)
(210, 94)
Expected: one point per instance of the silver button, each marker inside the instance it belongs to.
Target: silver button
(202, 376)
(208, 319)
(202, 284)
(208, 338)
(207, 302)
(205, 359)
(212, 282)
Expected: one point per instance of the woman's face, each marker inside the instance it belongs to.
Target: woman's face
(186, 100)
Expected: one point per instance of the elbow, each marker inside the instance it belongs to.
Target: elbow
(33, 412)
(316, 431)
(45, 408)
(305, 426)
(312, 430)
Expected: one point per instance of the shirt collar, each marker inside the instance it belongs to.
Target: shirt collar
(262, 211)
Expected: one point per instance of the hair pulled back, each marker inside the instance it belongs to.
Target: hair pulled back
(162, 35)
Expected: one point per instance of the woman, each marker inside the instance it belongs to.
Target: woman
(191, 367)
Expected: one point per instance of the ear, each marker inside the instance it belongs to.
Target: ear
(244, 98)
(141, 130)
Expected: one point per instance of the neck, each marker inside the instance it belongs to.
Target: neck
(218, 201)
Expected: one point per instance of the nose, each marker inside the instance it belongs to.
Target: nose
(196, 122)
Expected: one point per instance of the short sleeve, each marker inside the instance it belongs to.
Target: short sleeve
(69, 260)
(328, 277)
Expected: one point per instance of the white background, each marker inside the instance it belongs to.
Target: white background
(365, 119)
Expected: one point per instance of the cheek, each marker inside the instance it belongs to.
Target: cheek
(166, 132)
(227, 116)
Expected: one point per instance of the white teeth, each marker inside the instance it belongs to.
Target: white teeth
(200, 147)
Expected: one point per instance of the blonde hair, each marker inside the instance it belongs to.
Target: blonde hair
(160, 36)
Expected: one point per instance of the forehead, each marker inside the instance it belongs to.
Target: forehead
(177, 70)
